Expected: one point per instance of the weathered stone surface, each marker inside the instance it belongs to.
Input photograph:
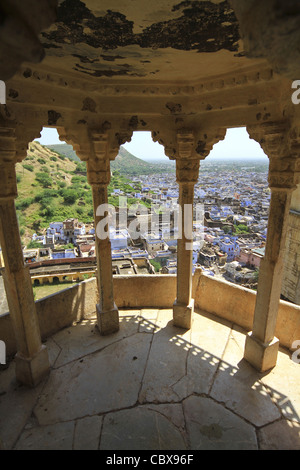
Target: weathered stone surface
(79, 342)
(87, 433)
(140, 429)
(166, 365)
(208, 342)
(281, 383)
(53, 437)
(281, 435)
(216, 401)
(212, 427)
(238, 386)
(107, 380)
(16, 404)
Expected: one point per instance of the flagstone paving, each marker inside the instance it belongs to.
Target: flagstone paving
(152, 386)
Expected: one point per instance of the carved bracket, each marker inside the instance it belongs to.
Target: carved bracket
(281, 143)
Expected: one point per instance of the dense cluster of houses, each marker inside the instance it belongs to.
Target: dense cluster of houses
(229, 236)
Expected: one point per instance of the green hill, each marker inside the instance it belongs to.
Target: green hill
(52, 187)
(64, 149)
(125, 162)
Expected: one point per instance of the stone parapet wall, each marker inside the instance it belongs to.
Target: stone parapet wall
(237, 304)
(221, 298)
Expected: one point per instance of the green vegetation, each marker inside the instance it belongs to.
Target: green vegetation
(241, 229)
(125, 163)
(47, 194)
(48, 289)
(156, 265)
(28, 167)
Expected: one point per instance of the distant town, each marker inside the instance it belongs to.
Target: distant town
(229, 239)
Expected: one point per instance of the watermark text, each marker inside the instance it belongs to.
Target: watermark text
(2, 352)
(2, 92)
(296, 354)
(296, 94)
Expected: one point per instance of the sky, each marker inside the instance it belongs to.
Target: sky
(236, 144)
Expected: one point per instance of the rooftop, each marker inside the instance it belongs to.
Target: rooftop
(152, 386)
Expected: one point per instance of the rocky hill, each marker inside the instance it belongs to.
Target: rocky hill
(53, 187)
(125, 162)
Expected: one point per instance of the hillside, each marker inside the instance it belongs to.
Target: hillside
(54, 187)
(125, 162)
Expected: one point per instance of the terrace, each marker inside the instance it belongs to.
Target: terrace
(152, 385)
(176, 369)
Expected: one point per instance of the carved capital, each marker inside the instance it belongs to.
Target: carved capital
(98, 171)
(272, 137)
(193, 142)
(281, 143)
(284, 173)
(187, 170)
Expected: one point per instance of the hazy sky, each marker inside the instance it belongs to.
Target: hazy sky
(236, 144)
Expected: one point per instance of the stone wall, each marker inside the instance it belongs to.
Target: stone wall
(223, 299)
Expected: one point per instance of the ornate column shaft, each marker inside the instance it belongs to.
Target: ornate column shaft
(261, 346)
(98, 172)
(32, 363)
(187, 171)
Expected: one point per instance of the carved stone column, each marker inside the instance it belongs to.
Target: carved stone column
(32, 363)
(261, 346)
(187, 171)
(188, 147)
(98, 173)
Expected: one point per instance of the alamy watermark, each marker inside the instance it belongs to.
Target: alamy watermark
(296, 94)
(157, 221)
(296, 354)
(2, 352)
(2, 92)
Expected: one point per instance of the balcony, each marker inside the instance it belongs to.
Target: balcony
(152, 386)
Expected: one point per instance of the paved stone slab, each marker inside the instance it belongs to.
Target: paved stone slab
(208, 342)
(87, 433)
(140, 429)
(106, 380)
(237, 384)
(281, 435)
(166, 365)
(54, 437)
(282, 382)
(84, 338)
(211, 427)
(16, 404)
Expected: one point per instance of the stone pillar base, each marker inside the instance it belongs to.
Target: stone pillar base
(31, 371)
(108, 321)
(262, 356)
(183, 314)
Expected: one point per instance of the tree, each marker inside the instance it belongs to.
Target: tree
(44, 179)
(70, 196)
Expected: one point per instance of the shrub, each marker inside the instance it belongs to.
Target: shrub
(23, 203)
(33, 244)
(70, 196)
(44, 179)
(28, 167)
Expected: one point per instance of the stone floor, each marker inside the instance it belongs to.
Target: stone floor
(152, 386)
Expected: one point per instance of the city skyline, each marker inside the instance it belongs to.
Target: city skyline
(142, 146)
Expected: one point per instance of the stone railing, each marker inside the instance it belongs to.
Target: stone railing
(221, 298)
